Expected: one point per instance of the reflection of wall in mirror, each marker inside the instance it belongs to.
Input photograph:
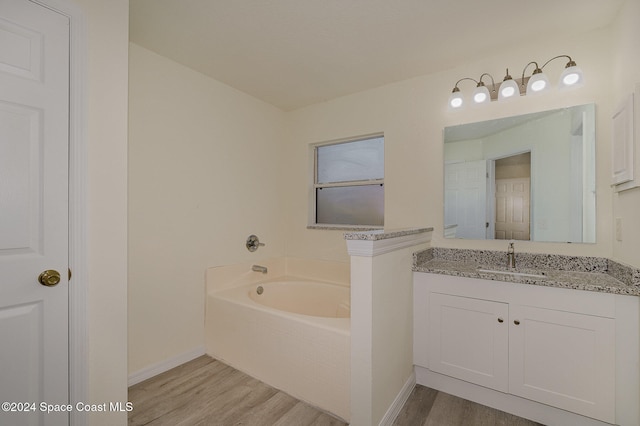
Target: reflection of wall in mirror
(562, 189)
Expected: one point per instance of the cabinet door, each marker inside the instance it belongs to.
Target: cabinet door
(563, 359)
(468, 339)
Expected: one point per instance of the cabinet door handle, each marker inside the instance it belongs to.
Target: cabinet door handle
(516, 322)
(500, 320)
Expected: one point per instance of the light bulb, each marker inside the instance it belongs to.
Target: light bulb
(456, 100)
(507, 92)
(537, 83)
(571, 76)
(571, 79)
(508, 89)
(481, 94)
(480, 97)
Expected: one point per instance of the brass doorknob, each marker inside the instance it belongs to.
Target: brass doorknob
(49, 278)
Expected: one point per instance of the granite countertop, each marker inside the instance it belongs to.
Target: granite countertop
(573, 272)
(382, 234)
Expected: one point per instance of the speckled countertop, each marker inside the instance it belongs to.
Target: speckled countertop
(574, 272)
(381, 234)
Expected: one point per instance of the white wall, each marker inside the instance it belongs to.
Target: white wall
(205, 172)
(412, 115)
(626, 74)
(381, 331)
(467, 150)
(210, 165)
(107, 26)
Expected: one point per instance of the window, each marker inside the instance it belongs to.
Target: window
(349, 182)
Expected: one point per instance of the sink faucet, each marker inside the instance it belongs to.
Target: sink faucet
(511, 256)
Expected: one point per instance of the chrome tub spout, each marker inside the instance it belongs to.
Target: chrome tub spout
(258, 268)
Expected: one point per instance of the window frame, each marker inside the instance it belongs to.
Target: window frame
(312, 222)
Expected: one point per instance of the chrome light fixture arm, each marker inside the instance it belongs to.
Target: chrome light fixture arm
(571, 62)
(538, 70)
(493, 83)
(456, 89)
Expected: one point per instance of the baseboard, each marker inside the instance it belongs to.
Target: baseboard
(398, 403)
(161, 367)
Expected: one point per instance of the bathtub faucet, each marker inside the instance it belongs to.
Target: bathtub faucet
(258, 268)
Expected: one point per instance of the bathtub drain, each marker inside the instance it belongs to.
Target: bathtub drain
(259, 290)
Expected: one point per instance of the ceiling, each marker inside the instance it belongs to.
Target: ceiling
(294, 53)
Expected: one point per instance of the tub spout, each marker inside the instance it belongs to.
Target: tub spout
(258, 268)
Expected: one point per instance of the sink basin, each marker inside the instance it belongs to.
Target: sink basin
(516, 273)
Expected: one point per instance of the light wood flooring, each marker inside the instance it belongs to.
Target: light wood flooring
(208, 392)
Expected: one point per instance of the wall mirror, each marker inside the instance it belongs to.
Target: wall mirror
(528, 177)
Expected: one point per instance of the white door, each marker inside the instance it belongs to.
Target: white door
(34, 111)
(465, 187)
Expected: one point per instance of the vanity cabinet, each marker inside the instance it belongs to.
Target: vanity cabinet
(549, 345)
(469, 339)
(563, 359)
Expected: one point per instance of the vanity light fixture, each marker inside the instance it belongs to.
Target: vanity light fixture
(509, 88)
(537, 83)
(480, 96)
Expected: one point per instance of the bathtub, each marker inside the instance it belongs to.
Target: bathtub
(292, 334)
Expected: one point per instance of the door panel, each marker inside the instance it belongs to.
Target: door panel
(563, 359)
(512, 220)
(20, 50)
(20, 179)
(468, 339)
(34, 120)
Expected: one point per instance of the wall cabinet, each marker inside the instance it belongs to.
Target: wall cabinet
(622, 143)
(553, 346)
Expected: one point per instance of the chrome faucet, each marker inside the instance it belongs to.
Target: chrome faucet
(511, 256)
(258, 268)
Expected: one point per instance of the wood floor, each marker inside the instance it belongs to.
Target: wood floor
(208, 392)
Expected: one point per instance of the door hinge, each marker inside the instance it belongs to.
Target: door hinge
(69, 269)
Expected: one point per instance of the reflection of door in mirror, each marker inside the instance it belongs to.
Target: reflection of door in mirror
(512, 197)
(465, 198)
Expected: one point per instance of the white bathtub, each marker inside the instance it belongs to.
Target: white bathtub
(304, 297)
(295, 336)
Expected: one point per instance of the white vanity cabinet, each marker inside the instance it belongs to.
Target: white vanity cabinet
(553, 346)
(468, 339)
(563, 359)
